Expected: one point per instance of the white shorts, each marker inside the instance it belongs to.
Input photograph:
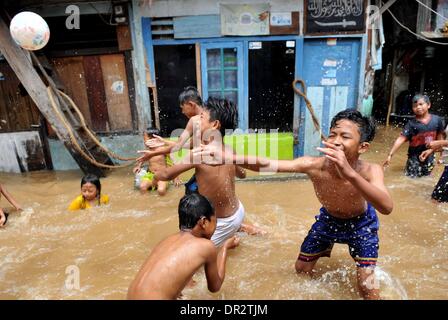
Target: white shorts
(227, 227)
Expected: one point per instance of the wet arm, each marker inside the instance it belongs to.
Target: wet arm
(10, 198)
(169, 163)
(214, 154)
(397, 144)
(441, 135)
(169, 173)
(299, 165)
(215, 267)
(374, 191)
(185, 136)
(439, 144)
(172, 146)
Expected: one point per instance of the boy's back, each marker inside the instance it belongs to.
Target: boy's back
(170, 266)
(174, 260)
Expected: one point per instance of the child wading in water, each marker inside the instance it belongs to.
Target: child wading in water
(175, 259)
(419, 131)
(217, 183)
(90, 194)
(191, 104)
(145, 178)
(348, 188)
(440, 192)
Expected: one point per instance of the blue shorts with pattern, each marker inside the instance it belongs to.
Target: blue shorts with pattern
(360, 233)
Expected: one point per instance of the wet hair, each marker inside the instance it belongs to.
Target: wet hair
(190, 93)
(419, 96)
(223, 110)
(93, 179)
(365, 124)
(192, 208)
(152, 131)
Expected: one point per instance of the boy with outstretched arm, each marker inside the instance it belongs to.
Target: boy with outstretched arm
(348, 188)
(217, 183)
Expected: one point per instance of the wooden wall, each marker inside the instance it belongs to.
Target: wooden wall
(116, 89)
(17, 110)
(98, 85)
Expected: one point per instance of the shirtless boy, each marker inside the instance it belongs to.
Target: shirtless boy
(175, 259)
(348, 188)
(217, 183)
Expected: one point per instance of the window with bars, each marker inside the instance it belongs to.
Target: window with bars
(222, 73)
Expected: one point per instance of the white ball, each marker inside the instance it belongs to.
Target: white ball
(29, 30)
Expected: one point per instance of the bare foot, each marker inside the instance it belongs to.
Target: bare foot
(251, 229)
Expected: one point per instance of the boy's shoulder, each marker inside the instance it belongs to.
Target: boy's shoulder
(207, 247)
(192, 120)
(369, 167)
(435, 117)
(201, 246)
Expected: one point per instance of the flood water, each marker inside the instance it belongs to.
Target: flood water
(40, 246)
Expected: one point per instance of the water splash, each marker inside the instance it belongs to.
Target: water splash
(390, 288)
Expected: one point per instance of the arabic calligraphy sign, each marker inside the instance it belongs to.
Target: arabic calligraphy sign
(334, 16)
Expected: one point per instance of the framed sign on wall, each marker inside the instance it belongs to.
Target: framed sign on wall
(334, 16)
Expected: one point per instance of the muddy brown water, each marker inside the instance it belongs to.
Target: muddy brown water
(41, 246)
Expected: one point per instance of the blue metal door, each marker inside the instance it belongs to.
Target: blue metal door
(222, 74)
(331, 74)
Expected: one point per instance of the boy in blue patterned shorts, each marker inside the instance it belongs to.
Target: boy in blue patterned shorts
(348, 188)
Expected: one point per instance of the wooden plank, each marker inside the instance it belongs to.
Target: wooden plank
(124, 38)
(312, 137)
(71, 73)
(131, 85)
(141, 29)
(95, 93)
(149, 82)
(198, 67)
(206, 26)
(116, 90)
(156, 107)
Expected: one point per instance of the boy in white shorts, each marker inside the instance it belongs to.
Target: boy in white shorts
(216, 183)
